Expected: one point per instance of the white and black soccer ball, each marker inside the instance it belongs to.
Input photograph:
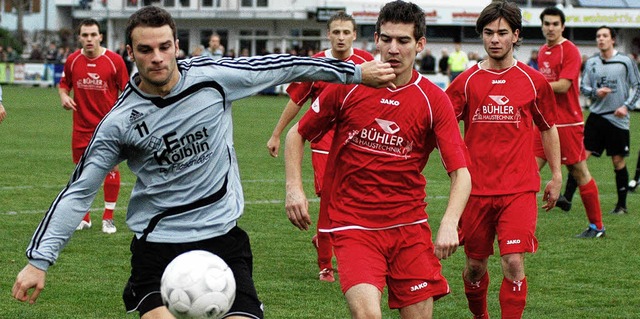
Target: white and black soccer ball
(198, 284)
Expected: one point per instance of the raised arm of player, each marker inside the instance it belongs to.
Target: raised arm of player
(288, 114)
(296, 203)
(551, 145)
(447, 240)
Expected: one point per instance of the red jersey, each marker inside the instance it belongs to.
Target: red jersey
(499, 109)
(563, 61)
(300, 92)
(382, 142)
(96, 84)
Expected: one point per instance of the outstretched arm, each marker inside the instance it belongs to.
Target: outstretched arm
(551, 145)
(296, 202)
(447, 240)
(290, 111)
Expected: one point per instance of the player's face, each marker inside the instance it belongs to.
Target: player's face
(552, 29)
(90, 39)
(154, 51)
(399, 48)
(604, 40)
(499, 39)
(341, 34)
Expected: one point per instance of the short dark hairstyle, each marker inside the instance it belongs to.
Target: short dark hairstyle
(552, 11)
(611, 31)
(501, 9)
(403, 12)
(341, 16)
(89, 22)
(150, 16)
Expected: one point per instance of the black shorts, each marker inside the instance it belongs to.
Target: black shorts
(148, 261)
(601, 135)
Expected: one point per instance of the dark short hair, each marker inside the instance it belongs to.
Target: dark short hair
(89, 22)
(403, 12)
(341, 16)
(501, 9)
(552, 11)
(150, 16)
(611, 31)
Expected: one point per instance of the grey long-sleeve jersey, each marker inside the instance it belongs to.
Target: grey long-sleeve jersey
(180, 148)
(620, 74)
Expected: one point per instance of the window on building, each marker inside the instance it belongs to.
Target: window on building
(581, 35)
(183, 41)
(311, 44)
(246, 43)
(261, 42)
(169, 3)
(211, 3)
(255, 3)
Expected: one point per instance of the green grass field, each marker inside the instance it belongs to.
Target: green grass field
(568, 277)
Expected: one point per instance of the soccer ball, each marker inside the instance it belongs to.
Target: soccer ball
(198, 284)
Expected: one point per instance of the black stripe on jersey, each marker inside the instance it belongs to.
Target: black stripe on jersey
(44, 224)
(185, 208)
(162, 102)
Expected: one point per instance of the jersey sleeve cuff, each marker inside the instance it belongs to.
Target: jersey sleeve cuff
(357, 75)
(40, 264)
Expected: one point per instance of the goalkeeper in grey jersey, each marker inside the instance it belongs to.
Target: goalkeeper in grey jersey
(612, 82)
(173, 126)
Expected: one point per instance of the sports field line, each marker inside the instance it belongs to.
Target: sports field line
(60, 186)
(249, 202)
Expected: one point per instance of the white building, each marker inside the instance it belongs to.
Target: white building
(268, 25)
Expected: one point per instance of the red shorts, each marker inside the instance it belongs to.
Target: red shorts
(79, 143)
(319, 163)
(511, 217)
(572, 149)
(402, 258)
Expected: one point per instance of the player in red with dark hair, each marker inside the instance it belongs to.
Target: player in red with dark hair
(559, 61)
(374, 189)
(341, 31)
(500, 100)
(96, 75)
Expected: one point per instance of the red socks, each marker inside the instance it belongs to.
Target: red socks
(477, 296)
(591, 201)
(513, 298)
(111, 191)
(325, 250)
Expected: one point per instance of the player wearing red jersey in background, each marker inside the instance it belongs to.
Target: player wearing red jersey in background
(374, 188)
(341, 31)
(499, 101)
(96, 76)
(559, 61)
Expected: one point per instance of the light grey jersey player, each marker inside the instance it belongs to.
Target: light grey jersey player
(619, 73)
(611, 80)
(180, 147)
(173, 126)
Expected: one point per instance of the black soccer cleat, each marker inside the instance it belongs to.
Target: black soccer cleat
(592, 232)
(619, 211)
